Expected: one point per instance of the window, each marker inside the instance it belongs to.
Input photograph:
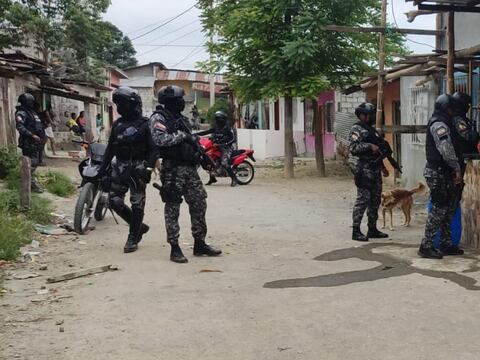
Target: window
(308, 109)
(419, 111)
(329, 117)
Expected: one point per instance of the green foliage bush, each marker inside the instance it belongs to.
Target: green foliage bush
(58, 183)
(40, 212)
(16, 232)
(9, 161)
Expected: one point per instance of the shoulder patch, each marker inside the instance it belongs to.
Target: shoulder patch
(462, 126)
(355, 135)
(158, 125)
(442, 131)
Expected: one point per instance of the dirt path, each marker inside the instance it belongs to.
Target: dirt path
(292, 286)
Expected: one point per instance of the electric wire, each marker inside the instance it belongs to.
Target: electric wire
(170, 42)
(164, 23)
(191, 54)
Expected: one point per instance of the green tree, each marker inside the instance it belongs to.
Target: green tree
(274, 48)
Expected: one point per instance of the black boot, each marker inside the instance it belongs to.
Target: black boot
(357, 234)
(201, 248)
(212, 180)
(131, 244)
(451, 250)
(176, 254)
(374, 233)
(429, 252)
(233, 177)
(143, 230)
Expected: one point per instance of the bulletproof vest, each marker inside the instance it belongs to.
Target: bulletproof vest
(434, 158)
(32, 121)
(131, 139)
(373, 138)
(183, 153)
(223, 135)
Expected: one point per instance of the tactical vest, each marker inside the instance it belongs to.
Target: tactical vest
(373, 138)
(181, 154)
(131, 139)
(33, 124)
(434, 158)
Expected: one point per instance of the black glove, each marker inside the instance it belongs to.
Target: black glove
(191, 139)
(148, 176)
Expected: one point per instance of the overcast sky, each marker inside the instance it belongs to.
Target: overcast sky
(183, 35)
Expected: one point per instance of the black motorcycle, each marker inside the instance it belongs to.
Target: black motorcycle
(93, 200)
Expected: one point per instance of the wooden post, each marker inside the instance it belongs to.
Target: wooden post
(470, 82)
(381, 68)
(289, 170)
(26, 183)
(451, 53)
(318, 127)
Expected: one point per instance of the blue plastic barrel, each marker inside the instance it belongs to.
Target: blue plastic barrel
(455, 227)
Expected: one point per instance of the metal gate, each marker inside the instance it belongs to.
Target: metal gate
(420, 110)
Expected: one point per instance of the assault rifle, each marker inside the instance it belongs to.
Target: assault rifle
(386, 152)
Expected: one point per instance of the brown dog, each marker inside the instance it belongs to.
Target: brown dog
(401, 198)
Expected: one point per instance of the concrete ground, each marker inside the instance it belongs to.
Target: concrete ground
(292, 286)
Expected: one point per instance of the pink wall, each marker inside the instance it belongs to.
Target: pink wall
(328, 138)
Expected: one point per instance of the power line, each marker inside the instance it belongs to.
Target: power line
(408, 39)
(169, 45)
(165, 23)
(170, 42)
(172, 32)
(191, 54)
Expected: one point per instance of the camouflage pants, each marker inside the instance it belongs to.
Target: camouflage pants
(445, 199)
(125, 177)
(183, 182)
(369, 193)
(33, 152)
(226, 155)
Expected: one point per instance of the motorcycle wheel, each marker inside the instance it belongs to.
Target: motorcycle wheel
(245, 173)
(101, 209)
(83, 209)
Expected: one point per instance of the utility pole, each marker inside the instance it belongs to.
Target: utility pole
(451, 53)
(381, 68)
(212, 78)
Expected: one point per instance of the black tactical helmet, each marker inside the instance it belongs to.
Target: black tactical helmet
(462, 101)
(126, 94)
(444, 103)
(221, 117)
(27, 100)
(170, 92)
(365, 108)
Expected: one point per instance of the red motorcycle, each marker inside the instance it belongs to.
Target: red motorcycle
(242, 168)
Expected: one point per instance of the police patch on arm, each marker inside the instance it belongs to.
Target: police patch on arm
(442, 133)
(355, 135)
(462, 126)
(19, 119)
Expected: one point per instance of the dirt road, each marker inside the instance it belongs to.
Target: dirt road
(292, 286)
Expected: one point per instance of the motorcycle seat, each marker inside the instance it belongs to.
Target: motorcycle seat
(237, 152)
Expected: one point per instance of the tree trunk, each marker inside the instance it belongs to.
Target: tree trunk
(289, 146)
(318, 126)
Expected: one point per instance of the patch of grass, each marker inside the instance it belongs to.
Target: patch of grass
(9, 161)
(12, 180)
(9, 201)
(58, 183)
(41, 211)
(16, 232)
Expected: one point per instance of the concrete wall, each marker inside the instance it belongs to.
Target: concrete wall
(413, 152)
(348, 103)
(467, 31)
(148, 99)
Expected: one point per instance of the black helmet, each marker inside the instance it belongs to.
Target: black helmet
(221, 118)
(128, 101)
(27, 100)
(462, 101)
(170, 92)
(365, 108)
(126, 94)
(444, 103)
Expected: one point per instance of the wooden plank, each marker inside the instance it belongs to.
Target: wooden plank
(81, 273)
(26, 183)
(378, 29)
(454, 8)
(404, 129)
(451, 53)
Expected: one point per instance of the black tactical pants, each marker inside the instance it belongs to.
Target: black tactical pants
(445, 198)
(33, 152)
(180, 182)
(369, 194)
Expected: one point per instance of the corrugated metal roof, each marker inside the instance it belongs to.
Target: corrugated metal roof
(188, 75)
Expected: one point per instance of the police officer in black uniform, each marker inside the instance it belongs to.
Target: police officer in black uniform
(130, 143)
(367, 166)
(180, 152)
(468, 135)
(31, 132)
(224, 138)
(443, 174)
